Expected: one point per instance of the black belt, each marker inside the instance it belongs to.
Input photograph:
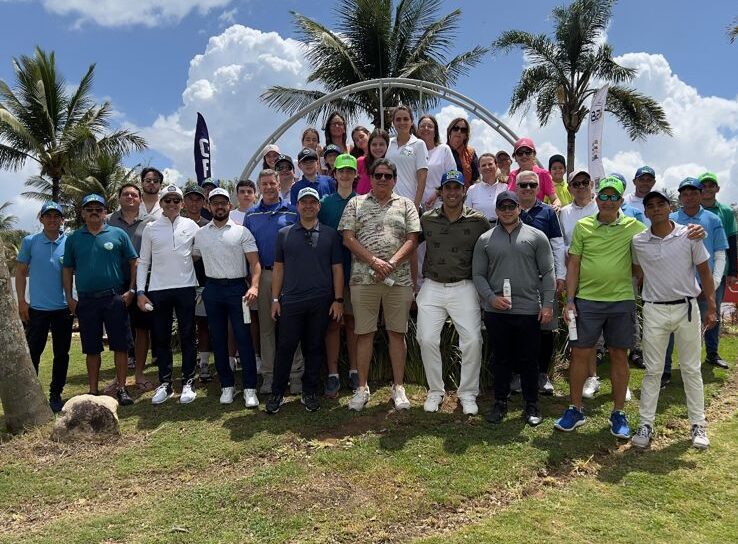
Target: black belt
(685, 300)
(227, 281)
(99, 294)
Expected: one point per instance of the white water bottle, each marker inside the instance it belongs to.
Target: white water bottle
(246, 311)
(507, 290)
(149, 307)
(572, 326)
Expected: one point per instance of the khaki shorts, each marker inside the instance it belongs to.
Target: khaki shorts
(348, 308)
(395, 301)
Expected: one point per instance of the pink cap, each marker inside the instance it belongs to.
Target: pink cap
(524, 142)
(270, 148)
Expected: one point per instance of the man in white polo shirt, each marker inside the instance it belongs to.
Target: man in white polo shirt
(166, 248)
(225, 248)
(667, 258)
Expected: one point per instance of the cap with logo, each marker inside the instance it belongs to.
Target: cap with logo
(576, 173)
(193, 188)
(307, 153)
(284, 158)
(621, 177)
(506, 195)
(331, 148)
(93, 198)
(655, 194)
(218, 192)
(708, 176)
(210, 181)
(452, 176)
(345, 160)
(170, 190)
(50, 206)
(524, 142)
(693, 183)
(644, 170)
(611, 182)
(307, 191)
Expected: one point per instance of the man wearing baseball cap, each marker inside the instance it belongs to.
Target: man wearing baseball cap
(331, 210)
(166, 250)
(643, 181)
(330, 153)
(208, 185)
(503, 166)
(451, 231)
(307, 160)
(691, 212)
(516, 256)
(94, 256)
(666, 259)
(710, 189)
(40, 259)
(525, 155)
(307, 292)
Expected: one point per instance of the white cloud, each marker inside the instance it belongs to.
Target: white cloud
(112, 13)
(228, 17)
(224, 84)
(11, 186)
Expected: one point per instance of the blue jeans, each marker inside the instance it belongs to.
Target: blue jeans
(223, 303)
(702, 303)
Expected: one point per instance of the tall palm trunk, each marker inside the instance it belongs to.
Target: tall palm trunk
(55, 188)
(20, 391)
(571, 137)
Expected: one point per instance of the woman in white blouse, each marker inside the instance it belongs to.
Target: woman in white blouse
(440, 158)
(410, 155)
(482, 195)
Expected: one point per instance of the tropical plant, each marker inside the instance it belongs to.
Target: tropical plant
(566, 69)
(733, 30)
(43, 121)
(376, 39)
(7, 221)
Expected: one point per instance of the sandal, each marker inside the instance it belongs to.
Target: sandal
(144, 386)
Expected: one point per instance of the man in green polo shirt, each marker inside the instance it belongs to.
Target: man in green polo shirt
(710, 189)
(93, 256)
(600, 296)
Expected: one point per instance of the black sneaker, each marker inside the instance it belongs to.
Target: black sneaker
(636, 358)
(497, 413)
(273, 403)
(55, 402)
(124, 399)
(532, 415)
(310, 402)
(715, 360)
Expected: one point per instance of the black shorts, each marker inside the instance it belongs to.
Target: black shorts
(139, 320)
(93, 313)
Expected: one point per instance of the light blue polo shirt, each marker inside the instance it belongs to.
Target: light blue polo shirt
(44, 258)
(716, 239)
(265, 221)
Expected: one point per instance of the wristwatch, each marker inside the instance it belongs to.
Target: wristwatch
(275, 300)
(338, 299)
(140, 292)
(132, 291)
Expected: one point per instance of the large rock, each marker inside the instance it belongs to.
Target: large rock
(88, 418)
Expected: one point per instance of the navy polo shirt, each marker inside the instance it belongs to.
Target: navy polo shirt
(265, 221)
(96, 258)
(542, 217)
(44, 258)
(325, 185)
(308, 270)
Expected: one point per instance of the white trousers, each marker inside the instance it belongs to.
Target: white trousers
(659, 321)
(459, 301)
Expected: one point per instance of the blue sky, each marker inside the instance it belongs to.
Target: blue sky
(144, 52)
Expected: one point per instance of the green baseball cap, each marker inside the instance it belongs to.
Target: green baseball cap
(346, 160)
(612, 183)
(709, 176)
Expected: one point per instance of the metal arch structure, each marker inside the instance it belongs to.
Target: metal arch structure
(423, 87)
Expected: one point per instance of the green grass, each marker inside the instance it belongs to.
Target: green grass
(204, 473)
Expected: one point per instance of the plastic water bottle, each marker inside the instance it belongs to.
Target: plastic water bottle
(507, 290)
(389, 282)
(246, 312)
(149, 307)
(572, 326)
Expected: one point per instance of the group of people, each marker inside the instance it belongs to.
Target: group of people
(349, 243)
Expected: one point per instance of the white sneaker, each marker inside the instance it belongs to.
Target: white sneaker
(360, 398)
(188, 393)
(591, 387)
(628, 395)
(226, 395)
(699, 437)
(642, 437)
(250, 399)
(163, 393)
(400, 398)
(469, 407)
(433, 402)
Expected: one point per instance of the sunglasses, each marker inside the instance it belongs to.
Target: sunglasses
(285, 168)
(379, 176)
(578, 184)
(521, 152)
(458, 128)
(604, 198)
(525, 185)
(171, 200)
(507, 207)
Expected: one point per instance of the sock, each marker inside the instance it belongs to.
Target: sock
(204, 358)
(353, 372)
(335, 375)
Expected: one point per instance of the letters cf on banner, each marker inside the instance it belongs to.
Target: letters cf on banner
(202, 150)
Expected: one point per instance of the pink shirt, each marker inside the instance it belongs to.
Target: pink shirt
(364, 185)
(545, 182)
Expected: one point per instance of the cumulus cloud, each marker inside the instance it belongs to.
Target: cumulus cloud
(113, 13)
(11, 186)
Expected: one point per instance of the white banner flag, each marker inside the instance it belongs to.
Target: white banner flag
(594, 132)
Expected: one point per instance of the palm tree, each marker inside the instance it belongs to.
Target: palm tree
(565, 70)
(7, 221)
(733, 30)
(376, 39)
(42, 121)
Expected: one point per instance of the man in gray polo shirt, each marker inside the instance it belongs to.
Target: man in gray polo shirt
(519, 256)
(667, 259)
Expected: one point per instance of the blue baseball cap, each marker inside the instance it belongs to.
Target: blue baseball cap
(644, 170)
(331, 148)
(452, 176)
(694, 183)
(621, 177)
(50, 206)
(93, 198)
(211, 181)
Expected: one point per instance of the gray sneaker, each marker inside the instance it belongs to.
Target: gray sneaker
(642, 437)
(332, 385)
(699, 437)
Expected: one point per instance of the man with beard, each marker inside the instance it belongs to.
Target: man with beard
(151, 180)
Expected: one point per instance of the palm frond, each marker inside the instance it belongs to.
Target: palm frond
(639, 114)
